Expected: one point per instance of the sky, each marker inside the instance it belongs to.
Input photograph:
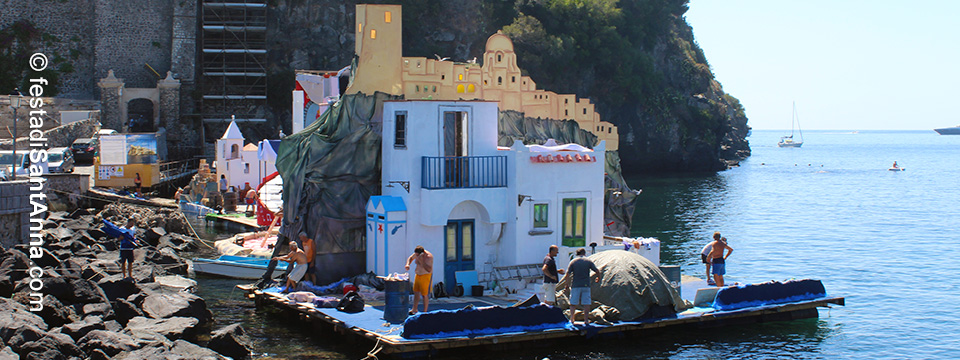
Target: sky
(848, 64)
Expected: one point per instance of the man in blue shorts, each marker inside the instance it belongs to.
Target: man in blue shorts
(718, 260)
(127, 244)
(579, 270)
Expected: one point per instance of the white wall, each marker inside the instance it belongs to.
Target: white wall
(550, 183)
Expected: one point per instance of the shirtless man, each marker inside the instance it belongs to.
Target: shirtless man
(298, 257)
(309, 248)
(422, 282)
(718, 260)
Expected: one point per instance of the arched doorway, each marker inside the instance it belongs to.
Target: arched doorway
(141, 115)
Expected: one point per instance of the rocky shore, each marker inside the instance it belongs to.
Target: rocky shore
(91, 312)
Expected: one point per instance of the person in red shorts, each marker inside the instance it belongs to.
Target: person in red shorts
(422, 282)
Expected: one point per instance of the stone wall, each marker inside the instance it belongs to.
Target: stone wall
(14, 213)
(52, 107)
(63, 190)
(61, 136)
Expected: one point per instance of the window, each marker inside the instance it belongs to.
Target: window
(373, 33)
(540, 215)
(584, 111)
(499, 80)
(234, 151)
(609, 130)
(513, 79)
(359, 28)
(460, 88)
(499, 57)
(442, 76)
(574, 222)
(566, 101)
(460, 77)
(566, 112)
(471, 88)
(246, 168)
(387, 17)
(400, 130)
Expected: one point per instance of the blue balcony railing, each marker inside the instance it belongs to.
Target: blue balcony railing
(458, 172)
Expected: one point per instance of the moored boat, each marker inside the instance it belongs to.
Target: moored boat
(238, 267)
(948, 130)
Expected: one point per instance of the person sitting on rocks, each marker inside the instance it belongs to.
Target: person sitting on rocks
(298, 257)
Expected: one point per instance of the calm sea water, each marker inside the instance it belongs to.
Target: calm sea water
(887, 241)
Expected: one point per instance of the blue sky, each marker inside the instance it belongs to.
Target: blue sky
(848, 64)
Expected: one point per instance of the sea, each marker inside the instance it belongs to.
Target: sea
(887, 241)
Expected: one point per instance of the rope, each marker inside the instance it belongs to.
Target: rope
(372, 354)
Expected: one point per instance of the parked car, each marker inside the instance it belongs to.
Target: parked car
(106, 132)
(23, 163)
(85, 149)
(60, 160)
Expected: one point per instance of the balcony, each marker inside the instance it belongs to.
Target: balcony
(463, 172)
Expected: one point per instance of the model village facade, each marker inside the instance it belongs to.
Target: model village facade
(445, 183)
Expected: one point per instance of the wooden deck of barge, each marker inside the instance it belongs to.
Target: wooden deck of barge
(369, 325)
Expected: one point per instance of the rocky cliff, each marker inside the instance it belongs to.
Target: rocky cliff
(636, 59)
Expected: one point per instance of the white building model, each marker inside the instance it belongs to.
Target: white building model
(448, 187)
(242, 164)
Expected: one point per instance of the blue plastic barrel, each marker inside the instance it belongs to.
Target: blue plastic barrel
(397, 301)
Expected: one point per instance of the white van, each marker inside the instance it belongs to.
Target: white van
(60, 160)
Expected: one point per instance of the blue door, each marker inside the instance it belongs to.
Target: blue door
(458, 251)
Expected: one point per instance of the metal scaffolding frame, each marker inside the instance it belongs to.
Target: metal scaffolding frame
(233, 79)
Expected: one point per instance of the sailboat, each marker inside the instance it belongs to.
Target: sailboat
(788, 141)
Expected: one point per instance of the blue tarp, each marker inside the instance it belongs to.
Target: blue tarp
(113, 230)
(768, 293)
(483, 321)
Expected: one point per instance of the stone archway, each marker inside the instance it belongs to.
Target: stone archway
(142, 116)
(115, 99)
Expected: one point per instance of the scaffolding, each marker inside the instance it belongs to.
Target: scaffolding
(233, 61)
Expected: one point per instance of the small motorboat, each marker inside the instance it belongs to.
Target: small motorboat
(896, 169)
(237, 267)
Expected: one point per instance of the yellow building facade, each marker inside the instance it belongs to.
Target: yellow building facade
(382, 67)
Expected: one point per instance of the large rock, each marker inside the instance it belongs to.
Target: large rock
(192, 351)
(79, 329)
(11, 270)
(172, 328)
(85, 292)
(54, 313)
(231, 341)
(125, 311)
(147, 338)
(103, 310)
(161, 306)
(152, 236)
(7, 354)
(111, 343)
(169, 260)
(14, 315)
(50, 345)
(117, 287)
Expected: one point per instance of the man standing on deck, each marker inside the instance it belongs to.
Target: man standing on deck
(297, 257)
(223, 186)
(551, 275)
(422, 282)
(718, 260)
(579, 270)
(704, 256)
(310, 248)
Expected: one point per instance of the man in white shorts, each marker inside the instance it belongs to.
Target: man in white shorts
(298, 257)
(551, 276)
(579, 270)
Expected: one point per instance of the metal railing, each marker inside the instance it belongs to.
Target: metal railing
(457, 172)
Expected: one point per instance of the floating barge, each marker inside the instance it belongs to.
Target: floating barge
(370, 327)
(232, 221)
